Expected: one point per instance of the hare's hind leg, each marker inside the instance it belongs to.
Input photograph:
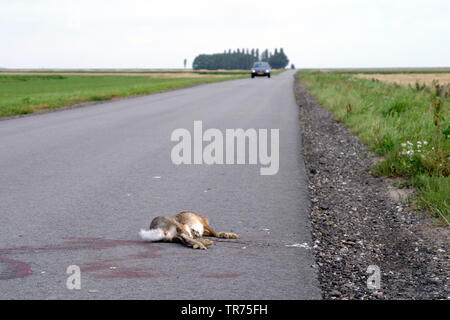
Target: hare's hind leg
(195, 244)
(210, 232)
(205, 242)
(227, 235)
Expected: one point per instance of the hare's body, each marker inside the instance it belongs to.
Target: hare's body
(186, 227)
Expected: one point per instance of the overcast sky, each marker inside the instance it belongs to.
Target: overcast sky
(161, 34)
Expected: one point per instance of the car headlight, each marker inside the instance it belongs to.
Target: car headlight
(267, 70)
(253, 70)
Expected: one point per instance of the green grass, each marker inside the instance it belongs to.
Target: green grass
(424, 71)
(132, 71)
(388, 71)
(391, 120)
(23, 94)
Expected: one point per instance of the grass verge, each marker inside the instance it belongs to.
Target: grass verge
(409, 127)
(24, 94)
(388, 71)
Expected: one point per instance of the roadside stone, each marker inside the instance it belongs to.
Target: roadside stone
(335, 293)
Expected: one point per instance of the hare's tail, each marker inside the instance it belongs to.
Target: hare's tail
(151, 235)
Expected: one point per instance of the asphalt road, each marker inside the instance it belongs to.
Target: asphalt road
(76, 186)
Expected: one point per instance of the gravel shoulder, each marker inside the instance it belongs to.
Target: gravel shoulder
(356, 222)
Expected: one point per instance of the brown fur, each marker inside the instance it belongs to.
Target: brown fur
(181, 229)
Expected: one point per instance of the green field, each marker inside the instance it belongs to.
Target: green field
(23, 94)
(388, 70)
(408, 126)
(126, 71)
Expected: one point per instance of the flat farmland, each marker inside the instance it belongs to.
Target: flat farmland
(127, 74)
(25, 91)
(153, 73)
(409, 78)
(29, 92)
(385, 70)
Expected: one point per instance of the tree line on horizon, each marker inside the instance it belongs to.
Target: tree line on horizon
(240, 59)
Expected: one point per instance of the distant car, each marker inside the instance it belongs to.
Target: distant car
(260, 69)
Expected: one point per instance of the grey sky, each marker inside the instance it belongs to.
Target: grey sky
(160, 34)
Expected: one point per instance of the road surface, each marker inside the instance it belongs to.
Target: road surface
(77, 186)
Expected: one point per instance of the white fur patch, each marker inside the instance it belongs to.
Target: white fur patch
(188, 230)
(151, 235)
(198, 227)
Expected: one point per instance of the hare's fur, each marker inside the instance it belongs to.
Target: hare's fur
(186, 227)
